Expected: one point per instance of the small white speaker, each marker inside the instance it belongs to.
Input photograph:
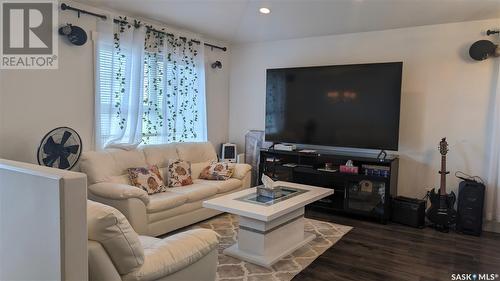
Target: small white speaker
(228, 152)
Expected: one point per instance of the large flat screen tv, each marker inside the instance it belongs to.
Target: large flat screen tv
(340, 105)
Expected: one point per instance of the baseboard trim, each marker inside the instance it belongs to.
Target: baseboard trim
(491, 226)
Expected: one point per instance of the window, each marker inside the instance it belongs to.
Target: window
(109, 123)
(171, 105)
(154, 107)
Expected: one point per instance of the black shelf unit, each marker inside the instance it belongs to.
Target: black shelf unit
(358, 194)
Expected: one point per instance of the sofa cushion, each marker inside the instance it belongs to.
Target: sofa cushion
(241, 170)
(179, 173)
(165, 200)
(123, 179)
(177, 211)
(171, 254)
(101, 166)
(217, 171)
(196, 191)
(160, 154)
(111, 229)
(148, 179)
(222, 186)
(196, 152)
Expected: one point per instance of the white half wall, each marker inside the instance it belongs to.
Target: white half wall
(33, 102)
(43, 223)
(444, 92)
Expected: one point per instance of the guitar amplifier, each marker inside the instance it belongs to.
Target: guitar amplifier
(409, 211)
(470, 207)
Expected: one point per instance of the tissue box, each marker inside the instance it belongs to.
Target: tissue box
(348, 169)
(269, 192)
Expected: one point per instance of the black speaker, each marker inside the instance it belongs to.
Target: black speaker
(408, 211)
(470, 207)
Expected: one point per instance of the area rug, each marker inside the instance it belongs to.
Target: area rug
(232, 269)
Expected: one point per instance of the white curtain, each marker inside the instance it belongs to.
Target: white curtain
(150, 87)
(119, 83)
(175, 87)
(493, 178)
(185, 88)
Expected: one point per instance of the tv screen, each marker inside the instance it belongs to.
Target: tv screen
(340, 105)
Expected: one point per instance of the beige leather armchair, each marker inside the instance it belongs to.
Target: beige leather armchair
(117, 252)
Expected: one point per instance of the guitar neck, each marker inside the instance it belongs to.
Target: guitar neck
(442, 187)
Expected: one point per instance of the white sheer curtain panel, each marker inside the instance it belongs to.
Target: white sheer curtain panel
(119, 84)
(493, 178)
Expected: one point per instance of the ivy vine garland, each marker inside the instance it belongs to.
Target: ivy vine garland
(179, 93)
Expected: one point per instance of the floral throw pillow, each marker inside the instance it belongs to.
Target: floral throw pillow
(217, 171)
(149, 179)
(179, 173)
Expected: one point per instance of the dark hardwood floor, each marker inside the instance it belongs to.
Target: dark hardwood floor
(373, 251)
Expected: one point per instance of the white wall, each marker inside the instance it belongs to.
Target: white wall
(444, 92)
(46, 227)
(217, 88)
(32, 102)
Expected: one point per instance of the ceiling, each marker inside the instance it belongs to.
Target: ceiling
(238, 21)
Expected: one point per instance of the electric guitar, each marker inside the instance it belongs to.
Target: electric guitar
(441, 213)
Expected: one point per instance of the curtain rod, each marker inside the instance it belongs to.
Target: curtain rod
(104, 17)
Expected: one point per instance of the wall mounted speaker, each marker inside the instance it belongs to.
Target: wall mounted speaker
(483, 49)
(75, 34)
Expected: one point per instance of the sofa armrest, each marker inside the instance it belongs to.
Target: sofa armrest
(241, 170)
(118, 191)
(176, 252)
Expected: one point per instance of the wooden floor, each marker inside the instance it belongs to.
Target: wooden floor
(374, 252)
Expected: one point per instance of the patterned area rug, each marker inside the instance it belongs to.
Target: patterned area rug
(232, 269)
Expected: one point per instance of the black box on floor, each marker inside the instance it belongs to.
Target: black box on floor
(408, 211)
(470, 207)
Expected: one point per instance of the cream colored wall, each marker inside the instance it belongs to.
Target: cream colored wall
(32, 102)
(217, 88)
(444, 92)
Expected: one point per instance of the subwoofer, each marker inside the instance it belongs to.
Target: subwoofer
(470, 207)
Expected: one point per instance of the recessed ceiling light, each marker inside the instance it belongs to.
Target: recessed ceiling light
(264, 11)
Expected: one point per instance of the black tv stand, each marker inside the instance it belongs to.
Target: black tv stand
(366, 193)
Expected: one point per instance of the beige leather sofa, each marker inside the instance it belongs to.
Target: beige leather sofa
(162, 212)
(116, 252)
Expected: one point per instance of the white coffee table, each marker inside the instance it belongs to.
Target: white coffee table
(268, 231)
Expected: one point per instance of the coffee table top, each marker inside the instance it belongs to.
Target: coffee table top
(242, 202)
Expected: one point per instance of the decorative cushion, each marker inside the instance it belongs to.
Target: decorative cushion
(109, 227)
(179, 173)
(217, 171)
(149, 179)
